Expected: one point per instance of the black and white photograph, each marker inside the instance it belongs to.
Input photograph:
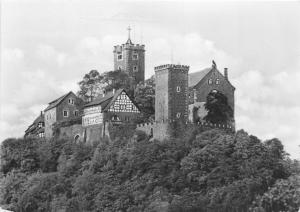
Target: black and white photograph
(149, 106)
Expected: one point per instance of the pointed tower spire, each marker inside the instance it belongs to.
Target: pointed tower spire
(129, 40)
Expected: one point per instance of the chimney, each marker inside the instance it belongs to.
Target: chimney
(41, 112)
(226, 73)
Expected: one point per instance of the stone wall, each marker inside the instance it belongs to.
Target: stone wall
(127, 63)
(200, 113)
(72, 132)
(71, 108)
(159, 131)
(204, 88)
(50, 119)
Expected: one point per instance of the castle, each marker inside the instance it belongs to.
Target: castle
(179, 94)
(179, 98)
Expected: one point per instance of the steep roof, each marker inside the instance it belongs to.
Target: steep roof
(40, 118)
(57, 101)
(35, 123)
(195, 77)
(108, 99)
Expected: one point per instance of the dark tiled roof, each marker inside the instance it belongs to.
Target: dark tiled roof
(106, 100)
(56, 102)
(35, 123)
(39, 119)
(196, 77)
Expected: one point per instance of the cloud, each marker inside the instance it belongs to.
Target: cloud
(267, 106)
(190, 49)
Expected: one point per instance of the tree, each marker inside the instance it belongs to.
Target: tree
(90, 86)
(218, 109)
(145, 98)
(116, 80)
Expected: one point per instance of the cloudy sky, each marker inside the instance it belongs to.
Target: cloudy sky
(47, 46)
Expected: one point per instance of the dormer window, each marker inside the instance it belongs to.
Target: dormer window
(178, 89)
(210, 81)
(120, 56)
(135, 56)
(40, 124)
(218, 81)
(135, 69)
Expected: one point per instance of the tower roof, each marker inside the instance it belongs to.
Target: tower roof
(129, 40)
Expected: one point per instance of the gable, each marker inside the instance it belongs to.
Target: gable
(122, 103)
(196, 77)
(214, 75)
(57, 101)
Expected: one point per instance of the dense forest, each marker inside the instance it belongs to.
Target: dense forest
(207, 171)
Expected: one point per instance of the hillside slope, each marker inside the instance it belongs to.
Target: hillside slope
(209, 171)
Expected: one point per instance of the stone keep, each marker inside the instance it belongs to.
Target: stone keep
(171, 93)
(130, 58)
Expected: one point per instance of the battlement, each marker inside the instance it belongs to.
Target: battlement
(171, 66)
(120, 48)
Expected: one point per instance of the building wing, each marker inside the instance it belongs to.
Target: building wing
(57, 101)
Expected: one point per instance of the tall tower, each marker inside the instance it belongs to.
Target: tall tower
(171, 93)
(130, 58)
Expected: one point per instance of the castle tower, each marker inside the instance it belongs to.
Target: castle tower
(171, 93)
(130, 58)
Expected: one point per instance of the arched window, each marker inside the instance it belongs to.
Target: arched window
(76, 138)
(210, 81)
(178, 115)
(178, 89)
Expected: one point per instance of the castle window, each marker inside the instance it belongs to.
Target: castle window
(135, 56)
(135, 68)
(210, 81)
(65, 113)
(178, 89)
(218, 81)
(76, 113)
(41, 134)
(178, 115)
(120, 56)
(71, 101)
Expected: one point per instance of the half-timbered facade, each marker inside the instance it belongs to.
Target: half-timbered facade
(37, 128)
(114, 108)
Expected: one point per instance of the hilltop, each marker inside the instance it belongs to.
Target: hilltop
(210, 170)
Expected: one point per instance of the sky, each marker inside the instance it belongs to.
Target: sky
(47, 47)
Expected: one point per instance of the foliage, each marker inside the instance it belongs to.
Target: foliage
(116, 80)
(207, 171)
(218, 109)
(145, 99)
(19, 154)
(90, 86)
